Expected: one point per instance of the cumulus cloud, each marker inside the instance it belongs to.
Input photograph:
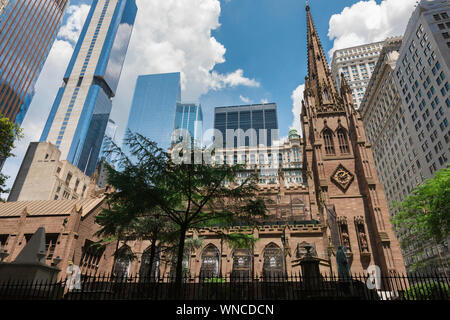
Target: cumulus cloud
(72, 28)
(264, 100)
(175, 36)
(367, 21)
(297, 97)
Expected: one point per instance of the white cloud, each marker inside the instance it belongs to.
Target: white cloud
(244, 99)
(264, 100)
(367, 21)
(232, 79)
(297, 97)
(175, 36)
(72, 28)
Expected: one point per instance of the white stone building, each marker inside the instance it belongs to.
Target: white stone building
(43, 176)
(357, 64)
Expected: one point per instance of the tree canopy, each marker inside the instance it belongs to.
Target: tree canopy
(424, 216)
(9, 133)
(188, 195)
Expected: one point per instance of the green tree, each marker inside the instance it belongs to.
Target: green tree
(424, 216)
(190, 195)
(9, 133)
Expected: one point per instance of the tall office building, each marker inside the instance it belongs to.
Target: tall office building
(188, 121)
(153, 108)
(27, 32)
(80, 113)
(109, 138)
(260, 117)
(406, 111)
(357, 64)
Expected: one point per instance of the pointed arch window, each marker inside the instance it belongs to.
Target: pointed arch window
(210, 262)
(273, 261)
(343, 141)
(123, 262)
(146, 271)
(329, 143)
(242, 265)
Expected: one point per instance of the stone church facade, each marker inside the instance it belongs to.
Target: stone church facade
(337, 202)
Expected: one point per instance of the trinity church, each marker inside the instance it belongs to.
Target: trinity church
(338, 201)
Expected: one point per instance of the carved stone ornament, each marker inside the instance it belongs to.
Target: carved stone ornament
(342, 177)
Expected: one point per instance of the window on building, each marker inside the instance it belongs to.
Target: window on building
(329, 143)
(273, 261)
(343, 141)
(122, 264)
(68, 178)
(150, 271)
(210, 262)
(50, 244)
(3, 241)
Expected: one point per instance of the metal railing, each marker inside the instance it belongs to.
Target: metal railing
(292, 287)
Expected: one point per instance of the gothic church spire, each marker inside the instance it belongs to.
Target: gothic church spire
(319, 79)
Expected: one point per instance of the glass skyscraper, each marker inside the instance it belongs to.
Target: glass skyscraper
(188, 119)
(80, 113)
(153, 108)
(260, 117)
(27, 32)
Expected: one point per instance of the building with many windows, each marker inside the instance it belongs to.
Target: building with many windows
(28, 30)
(153, 107)
(188, 121)
(321, 192)
(406, 110)
(44, 176)
(261, 118)
(80, 113)
(357, 64)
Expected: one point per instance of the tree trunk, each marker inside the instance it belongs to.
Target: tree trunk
(179, 269)
(444, 267)
(152, 254)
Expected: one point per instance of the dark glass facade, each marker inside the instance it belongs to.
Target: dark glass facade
(262, 118)
(27, 32)
(188, 119)
(153, 108)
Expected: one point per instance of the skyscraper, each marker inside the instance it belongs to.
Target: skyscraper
(357, 64)
(188, 119)
(406, 113)
(27, 32)
(80, 113)
(260, 117)
(110, 136)
(153, 108)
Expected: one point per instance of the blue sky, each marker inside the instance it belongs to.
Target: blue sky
(230, 52)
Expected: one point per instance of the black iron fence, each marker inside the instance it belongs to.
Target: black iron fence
(293, 287)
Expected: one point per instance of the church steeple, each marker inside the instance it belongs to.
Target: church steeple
(319, 82)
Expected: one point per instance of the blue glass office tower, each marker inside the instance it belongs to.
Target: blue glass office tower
(188, 119)
(153, 108)
(27, 32)
(80, 113)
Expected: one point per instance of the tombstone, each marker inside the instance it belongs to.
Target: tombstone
(29, 266)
